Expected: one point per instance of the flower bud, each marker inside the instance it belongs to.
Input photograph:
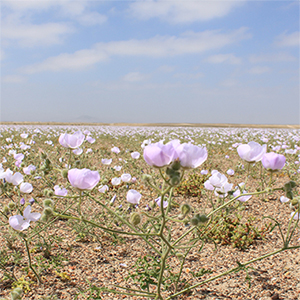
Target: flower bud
(48, 211)
(135, 218)
(185, 209)
(64, 173)
(11, 205)
(48, 203)
(6, 210)
(48, 193)
(194, 221)
(43, 155)
(176, 165)
(202, 218)
(175, 180)
(289, 194)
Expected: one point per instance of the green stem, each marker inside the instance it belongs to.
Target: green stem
(230, 271)
(29, 261)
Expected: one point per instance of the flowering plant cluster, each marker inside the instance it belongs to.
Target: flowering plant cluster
(122, 207)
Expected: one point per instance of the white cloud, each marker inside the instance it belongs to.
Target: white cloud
(272, 57)
(259, 70)
(223, 58)
(30, 35)
(288, 40)
(134, 77)
(182, 11)
(166, 69)
(158, 46)
(13, 79)
(189, 75)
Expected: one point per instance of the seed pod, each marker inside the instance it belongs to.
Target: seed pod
(64, 173)
(11, 205)
(202, 218)
(135, 218)
(48, 203)
(48, 211)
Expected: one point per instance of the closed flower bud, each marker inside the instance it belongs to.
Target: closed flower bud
(202, 218)
(48, 193)
(11, 205)
(185, 209)
(194, 221)
(289, 195)
(135, 218)
(176, 165)
(44, 217)
(64, 173)
(175, 180)
(48, 211)
(48, 203)
(77, 163)
(43, 155)
(6, 210)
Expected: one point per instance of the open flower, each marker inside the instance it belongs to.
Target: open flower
(15, 179)
(83, 179)
(26, 187)
(58, 191)
(133, 197)
(273, 161)
(29, 170)
(159, 155)
(190, 156)
(252, 152)
(72, 141)
(21, 223)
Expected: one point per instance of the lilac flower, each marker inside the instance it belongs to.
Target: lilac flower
(238, 192)
(90, 139)
(273, 161)
(204, 172)
(118, 168)
(113, 199)
(103, 188)
(251, 152)
(295, 216)
(15, 179)
(284, 199)
(22, 201)
(83, 179)
(191, 156)
(77, 151)
(31, 201)
(133, 197)
(159, 155)
(26, 187)
(29, 170)
(21, 223)
(72, 141)
(58, 191)
(115, 181)
(230, 172)
(135, 155)
(115, 150)
(158, 201)
(125, 177)
(106, 161)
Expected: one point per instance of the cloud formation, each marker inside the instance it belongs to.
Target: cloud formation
(156, 47)
(288, 40)
(182, 11)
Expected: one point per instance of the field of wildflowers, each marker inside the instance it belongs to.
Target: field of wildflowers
(102, 212)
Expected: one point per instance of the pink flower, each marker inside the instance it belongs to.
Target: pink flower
(135, 155)
(273, 161)
(83, 179)
(158, 201)
(26, 187)
(115, 150)
(190, 156)
(58, 191)
(15, 179)
(19, 222)
(159, 155)
(133, 197)
(72, 141)
(29, 170)
(125, 177)
(252, 152)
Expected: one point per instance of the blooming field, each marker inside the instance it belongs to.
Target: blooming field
(149, 213)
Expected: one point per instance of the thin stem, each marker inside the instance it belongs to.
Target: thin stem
(29, 261)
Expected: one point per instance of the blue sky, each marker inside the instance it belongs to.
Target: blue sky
(150, 61)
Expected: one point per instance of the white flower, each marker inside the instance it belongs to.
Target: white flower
(21, 223)
(125, 177)
(115, 150)
(106, 161)
(116, 181)
(26, 187)
(103, 188)
(58, 191)
(135, 155)
(133, 197)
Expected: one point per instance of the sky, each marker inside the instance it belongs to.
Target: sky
(150, 61)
